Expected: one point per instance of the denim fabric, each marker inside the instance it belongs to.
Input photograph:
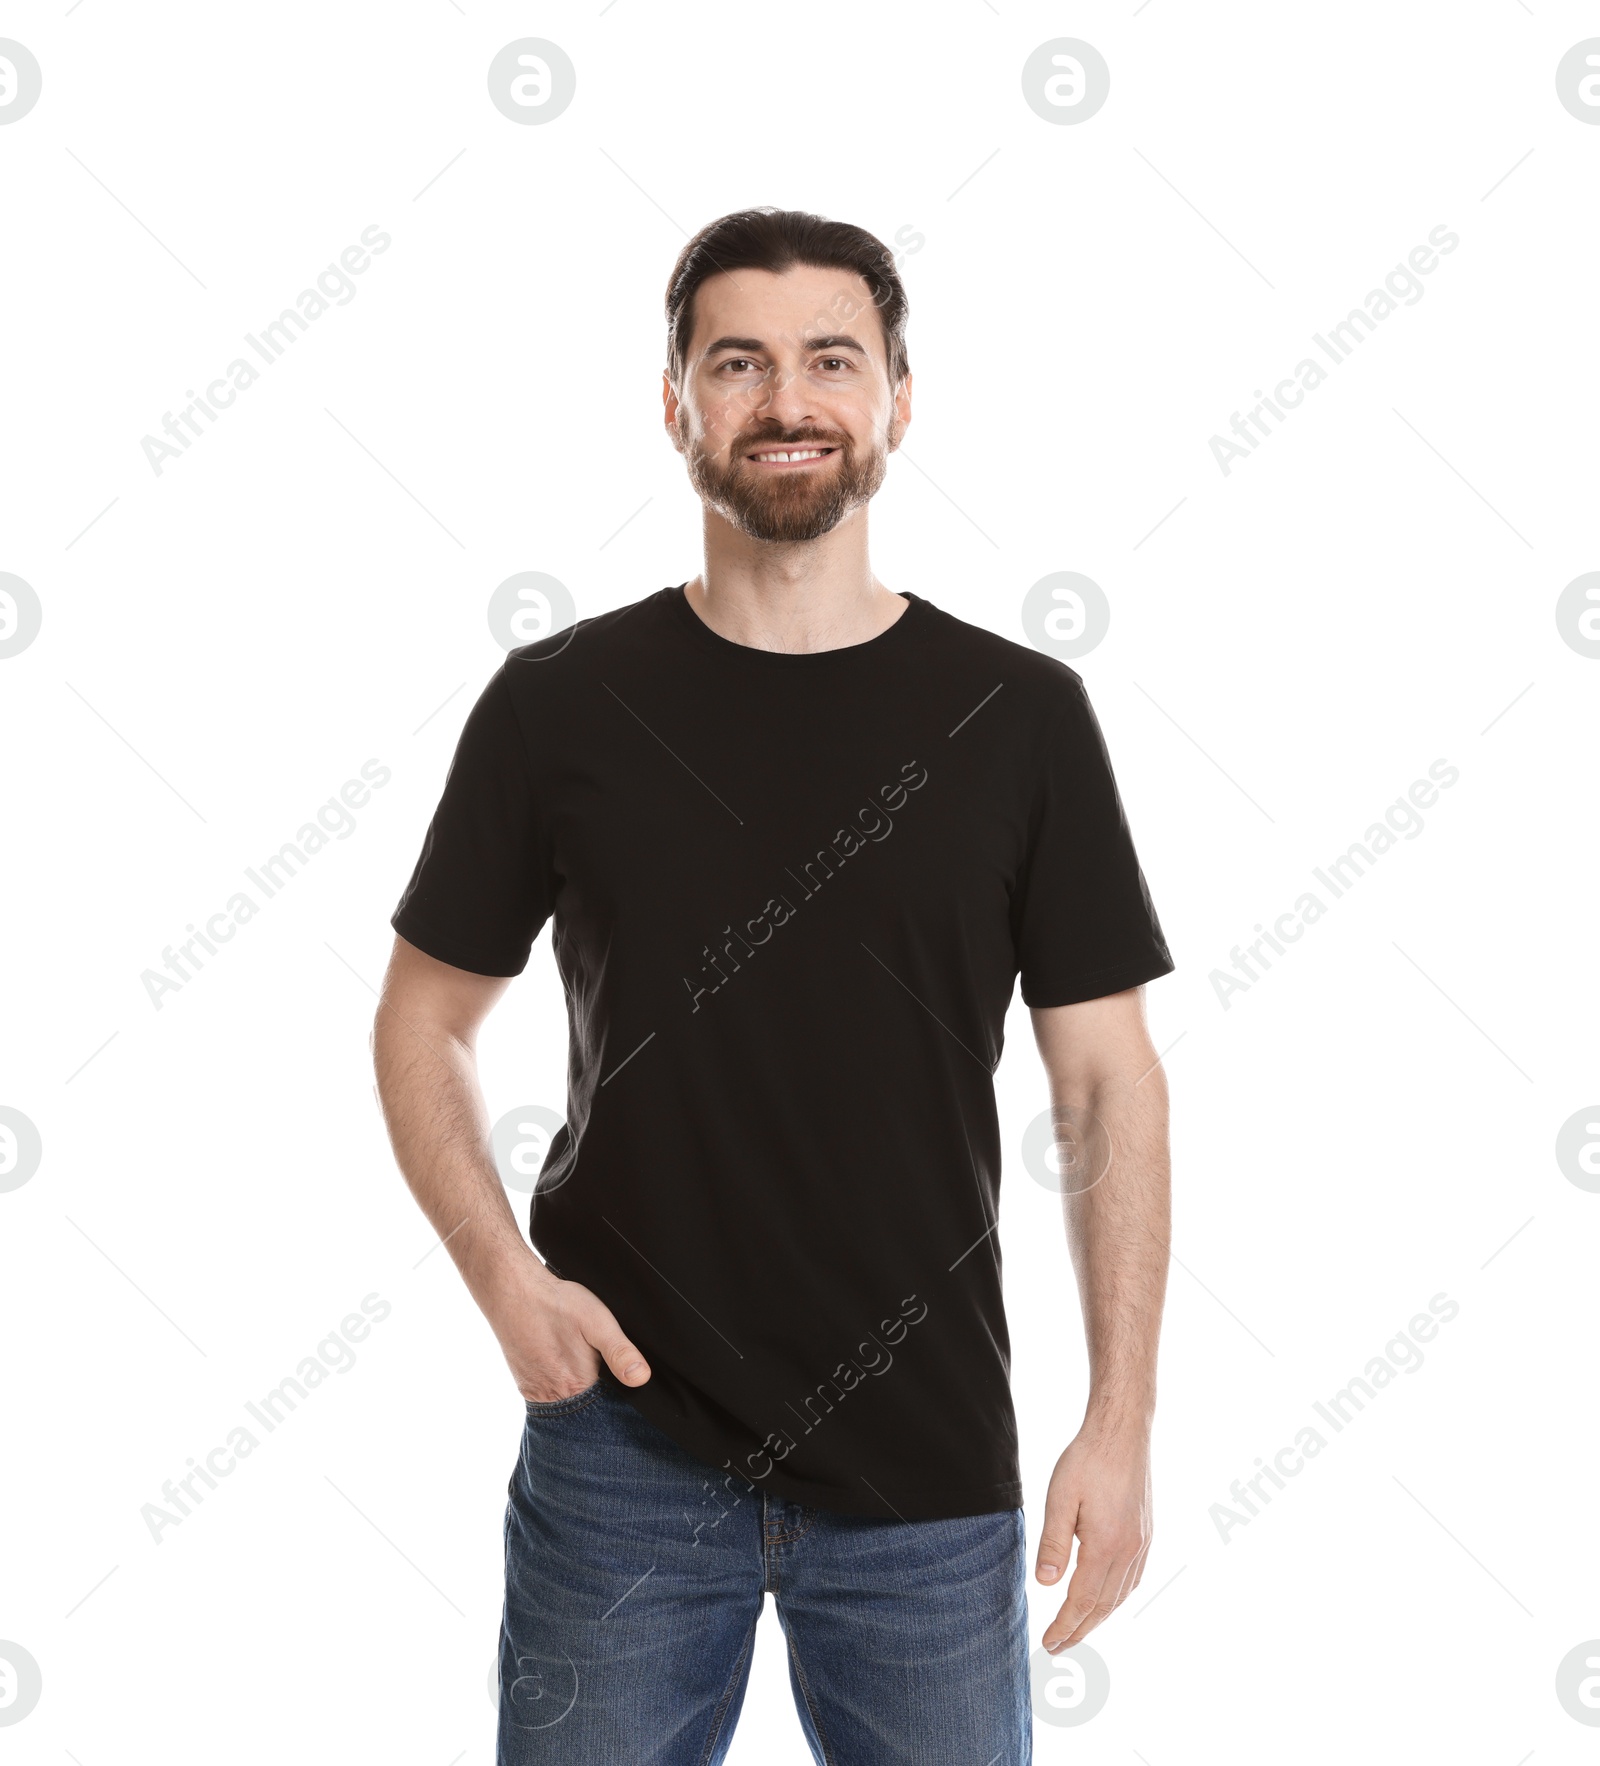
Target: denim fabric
(635, 1574)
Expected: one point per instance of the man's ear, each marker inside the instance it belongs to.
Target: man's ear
(670, 407)
(900, 418)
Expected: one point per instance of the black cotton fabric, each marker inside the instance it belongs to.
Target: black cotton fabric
(791, 896)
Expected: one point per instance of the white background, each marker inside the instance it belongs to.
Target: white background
(223, 645)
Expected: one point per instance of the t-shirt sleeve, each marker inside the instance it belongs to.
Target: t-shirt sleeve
(483, 885)
(1086, 925)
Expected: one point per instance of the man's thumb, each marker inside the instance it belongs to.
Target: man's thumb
(620, 1355)
(1055, 1545)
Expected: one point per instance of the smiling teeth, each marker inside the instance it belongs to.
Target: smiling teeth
(798, 454)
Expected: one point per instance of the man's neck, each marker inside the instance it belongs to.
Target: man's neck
(794, 610)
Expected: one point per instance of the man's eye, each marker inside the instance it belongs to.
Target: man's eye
(839, 359)
(736, 360)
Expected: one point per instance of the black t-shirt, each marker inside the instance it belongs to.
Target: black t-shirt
(791, 896)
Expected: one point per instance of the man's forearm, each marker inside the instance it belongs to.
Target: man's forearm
(438, 1127)
(1119, 1229)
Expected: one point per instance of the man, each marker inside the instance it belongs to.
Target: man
(798, 836)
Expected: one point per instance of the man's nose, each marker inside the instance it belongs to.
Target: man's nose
(785, 396)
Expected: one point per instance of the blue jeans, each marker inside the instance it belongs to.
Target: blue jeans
(635, 1574)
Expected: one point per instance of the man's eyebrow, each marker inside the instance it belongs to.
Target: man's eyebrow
(755, 346)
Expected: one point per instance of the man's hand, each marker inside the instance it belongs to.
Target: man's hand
(555, 1334)
(1100, 1491)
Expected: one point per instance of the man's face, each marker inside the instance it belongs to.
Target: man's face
(792, 364)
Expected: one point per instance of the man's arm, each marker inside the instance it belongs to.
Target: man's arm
(553, 1332)
(1108, 1096)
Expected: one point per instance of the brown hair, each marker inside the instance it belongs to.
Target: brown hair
(776, 240)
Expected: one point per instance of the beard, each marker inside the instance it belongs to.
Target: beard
(787, 508)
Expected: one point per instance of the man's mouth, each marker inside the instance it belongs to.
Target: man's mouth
(788, 459)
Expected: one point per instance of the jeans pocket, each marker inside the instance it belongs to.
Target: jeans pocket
(555, 1406)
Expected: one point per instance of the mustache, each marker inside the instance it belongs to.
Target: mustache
(750, 444)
